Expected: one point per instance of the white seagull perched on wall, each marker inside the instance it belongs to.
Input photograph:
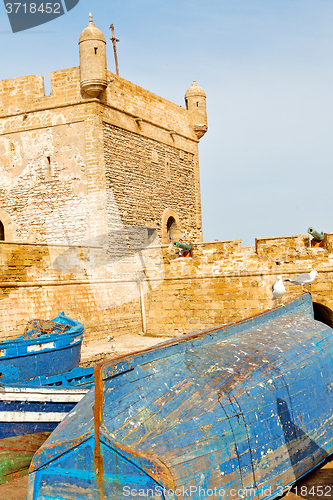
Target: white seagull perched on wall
(303, 278)
(278, 288)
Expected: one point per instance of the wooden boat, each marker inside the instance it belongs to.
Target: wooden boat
(46, 347)
(238, 411)
(28, 414)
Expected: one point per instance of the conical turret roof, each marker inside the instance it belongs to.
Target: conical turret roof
(195, 90)
(91, 32)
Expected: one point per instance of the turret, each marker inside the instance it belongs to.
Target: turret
(195, 100)
(93, 65)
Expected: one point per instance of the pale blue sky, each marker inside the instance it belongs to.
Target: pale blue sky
(266, 66)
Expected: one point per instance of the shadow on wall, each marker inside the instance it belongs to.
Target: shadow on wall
(323, 313)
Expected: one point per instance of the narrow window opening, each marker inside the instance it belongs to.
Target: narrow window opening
(96, 50)
(2, 232)
(198, 104)
(48, 168)
(167, 168)
(186, 103)
(172, 230)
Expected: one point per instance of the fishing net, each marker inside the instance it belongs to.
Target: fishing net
(37, 327)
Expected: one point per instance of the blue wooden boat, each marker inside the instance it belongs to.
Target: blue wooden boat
(30, 412)
(40, 404)
(238, 411)
(46, 347)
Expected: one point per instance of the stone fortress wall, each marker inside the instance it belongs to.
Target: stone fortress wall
(157, 292)
(92, 174)
(56, 150)
(93, 178)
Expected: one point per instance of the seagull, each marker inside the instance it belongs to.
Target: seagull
(303, 278)
(278, 288)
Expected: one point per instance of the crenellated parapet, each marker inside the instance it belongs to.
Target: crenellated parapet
(25, 95)
(18, 93)
(282, 247)
(222, 282)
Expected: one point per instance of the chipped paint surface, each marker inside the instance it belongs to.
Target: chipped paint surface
(236, 408)
(31, 411)
(26, 357)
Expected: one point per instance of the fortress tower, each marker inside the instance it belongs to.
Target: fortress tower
(195, 100)
(93, 64)
(98, 155)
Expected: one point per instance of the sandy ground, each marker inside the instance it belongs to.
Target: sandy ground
(316, 485)
(95, 351)
(15, 490)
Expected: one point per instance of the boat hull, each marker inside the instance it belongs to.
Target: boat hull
(238, 411)
(27, 356)
(30, 412)
(28, 366)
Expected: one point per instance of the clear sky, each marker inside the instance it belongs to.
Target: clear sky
(266, 66)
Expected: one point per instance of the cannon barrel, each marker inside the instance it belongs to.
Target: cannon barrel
(315, 235)
(183, 246)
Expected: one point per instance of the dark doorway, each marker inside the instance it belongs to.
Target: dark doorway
(2, 232)
(172, 231)
(323, 313)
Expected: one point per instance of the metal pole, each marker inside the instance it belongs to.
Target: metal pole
(114, 40)
(143, 312)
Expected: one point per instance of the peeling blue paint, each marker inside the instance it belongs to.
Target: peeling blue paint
(246, 407)
(22, 359)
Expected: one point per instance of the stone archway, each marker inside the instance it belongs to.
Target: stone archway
(323, 313)
(7, 229)
(172, 232)
(170, 226)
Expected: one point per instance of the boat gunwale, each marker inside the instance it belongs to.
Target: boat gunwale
(22, 352)
(17, 389)
(20, 342)
(190, 336)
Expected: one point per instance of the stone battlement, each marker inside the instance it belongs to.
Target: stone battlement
(25, 95)
(270, 251)
(220, 283)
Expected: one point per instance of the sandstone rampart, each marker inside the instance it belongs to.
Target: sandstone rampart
(156, 291)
